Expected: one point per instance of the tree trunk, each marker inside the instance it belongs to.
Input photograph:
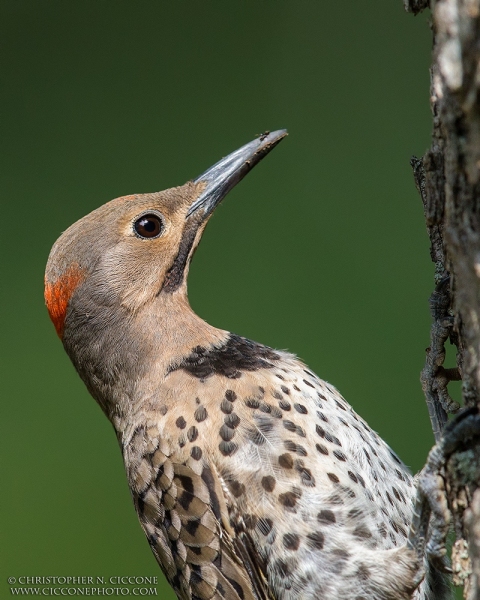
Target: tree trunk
(448, 178)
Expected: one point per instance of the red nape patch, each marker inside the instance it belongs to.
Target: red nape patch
(58, 294)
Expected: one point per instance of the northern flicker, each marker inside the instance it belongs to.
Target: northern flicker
(252, 478)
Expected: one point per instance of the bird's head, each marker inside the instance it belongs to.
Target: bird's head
(137, 248)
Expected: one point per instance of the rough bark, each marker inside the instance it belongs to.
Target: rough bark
(448, 178)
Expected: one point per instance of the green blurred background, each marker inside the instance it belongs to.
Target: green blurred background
(321, 250)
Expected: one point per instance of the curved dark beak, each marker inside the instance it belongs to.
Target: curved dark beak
(226, 173)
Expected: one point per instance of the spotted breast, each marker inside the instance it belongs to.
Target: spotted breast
(255, 477)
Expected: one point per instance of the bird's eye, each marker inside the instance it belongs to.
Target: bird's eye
(148, 226)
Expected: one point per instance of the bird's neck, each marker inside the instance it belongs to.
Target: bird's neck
(124, 357)
(174, 329)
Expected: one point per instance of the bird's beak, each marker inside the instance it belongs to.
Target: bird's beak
(226, 173)
(218, 181)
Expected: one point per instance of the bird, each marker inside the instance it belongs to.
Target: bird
(252, 478)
